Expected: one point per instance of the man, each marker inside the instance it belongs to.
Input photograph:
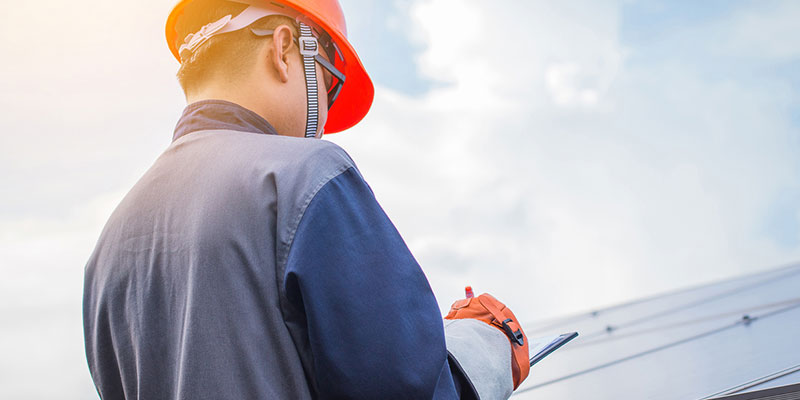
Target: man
(253, 261)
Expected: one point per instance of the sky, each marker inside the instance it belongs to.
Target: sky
(562, 156)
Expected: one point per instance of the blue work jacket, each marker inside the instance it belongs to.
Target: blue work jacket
(249, 265)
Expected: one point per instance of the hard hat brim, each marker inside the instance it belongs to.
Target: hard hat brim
(358, 92)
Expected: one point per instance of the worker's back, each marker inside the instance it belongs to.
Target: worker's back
(183, 297)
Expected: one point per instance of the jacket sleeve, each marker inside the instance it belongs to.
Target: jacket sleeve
(373, 324)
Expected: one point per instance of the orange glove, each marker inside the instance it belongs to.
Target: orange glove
(491, 311)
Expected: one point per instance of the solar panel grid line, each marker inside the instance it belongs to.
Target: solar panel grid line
(787, 392)
(603, 335)
(714, 297)
(658, 348)
(789, 379)
(597, 332)
(557, 322)
(626, 358)
(775, 312)
(784, 396)
(755, 382)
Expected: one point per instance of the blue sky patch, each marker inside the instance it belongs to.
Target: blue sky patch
(379, 32)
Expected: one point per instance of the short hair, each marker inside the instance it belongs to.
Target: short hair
(229, 53)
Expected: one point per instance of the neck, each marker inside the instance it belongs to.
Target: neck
(265, 101)
(229, 91)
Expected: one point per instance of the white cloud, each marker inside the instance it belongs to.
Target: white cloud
(766, 31)
(42, 337)
(557, 176)
(89, 100)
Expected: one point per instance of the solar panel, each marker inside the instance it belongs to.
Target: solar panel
(689, 344)
(789, 392)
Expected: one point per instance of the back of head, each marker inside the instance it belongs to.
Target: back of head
(224, 56)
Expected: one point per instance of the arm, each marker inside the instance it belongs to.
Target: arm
(373, 324)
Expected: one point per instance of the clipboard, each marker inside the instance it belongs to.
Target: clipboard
(543, 346)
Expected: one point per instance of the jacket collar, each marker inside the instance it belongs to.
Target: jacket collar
(220, 114)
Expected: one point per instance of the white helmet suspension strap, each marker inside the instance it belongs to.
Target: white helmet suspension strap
(309, 48)
(226, 24)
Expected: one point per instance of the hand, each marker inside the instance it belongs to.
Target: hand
(491, 311)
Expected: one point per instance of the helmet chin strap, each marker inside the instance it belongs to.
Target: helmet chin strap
(309, 48)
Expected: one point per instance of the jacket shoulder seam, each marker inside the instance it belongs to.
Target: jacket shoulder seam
(295, 223)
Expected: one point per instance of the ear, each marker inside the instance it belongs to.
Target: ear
(282, 43)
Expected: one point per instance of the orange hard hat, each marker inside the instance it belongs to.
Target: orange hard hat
(356, 94)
